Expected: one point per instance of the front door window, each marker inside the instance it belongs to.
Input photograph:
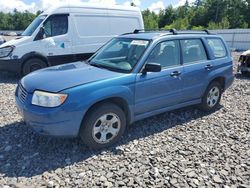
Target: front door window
(56, 25)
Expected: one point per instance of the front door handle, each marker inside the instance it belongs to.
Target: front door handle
(208, 67)
(175, 74)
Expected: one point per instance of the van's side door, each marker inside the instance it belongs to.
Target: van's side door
(196, 68)
(91, 30)
(158, 90)
(58, 41)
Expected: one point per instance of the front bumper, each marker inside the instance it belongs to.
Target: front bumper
(50, 121)
(243, 68)
(11, 65)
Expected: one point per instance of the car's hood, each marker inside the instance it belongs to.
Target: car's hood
(58, 78)
(14, 42)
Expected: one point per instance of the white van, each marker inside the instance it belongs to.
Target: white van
(67, 34)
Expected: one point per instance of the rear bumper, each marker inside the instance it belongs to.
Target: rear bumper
(12, 65)
(50, 121)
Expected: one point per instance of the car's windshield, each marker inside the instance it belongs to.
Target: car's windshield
(120, 54)
(33, 26)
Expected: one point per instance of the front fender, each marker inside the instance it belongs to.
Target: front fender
(34, 55)
(122, 92)
(83, 100)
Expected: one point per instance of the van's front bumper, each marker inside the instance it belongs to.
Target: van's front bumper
(11, 65)
(50, 121)
(242, 68)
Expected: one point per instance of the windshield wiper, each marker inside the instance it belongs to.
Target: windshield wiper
(98, 65)
(113, 69)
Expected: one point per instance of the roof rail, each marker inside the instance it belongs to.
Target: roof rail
(207, 31)
(138, 31)
(173, 31)
(134, 32)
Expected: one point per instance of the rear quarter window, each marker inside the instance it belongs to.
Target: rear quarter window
(217, 47)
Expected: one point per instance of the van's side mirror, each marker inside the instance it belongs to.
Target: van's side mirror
(152, 67)
(41, 34)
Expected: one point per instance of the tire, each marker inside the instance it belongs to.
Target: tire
(211, 97)
(33, 65)
(96, 129)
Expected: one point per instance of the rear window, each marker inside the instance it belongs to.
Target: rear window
(217, 47)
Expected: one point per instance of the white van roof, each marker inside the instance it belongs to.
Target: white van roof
(64, 6)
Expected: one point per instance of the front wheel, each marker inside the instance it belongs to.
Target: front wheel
(103, 126)
(33, 65)
(211, 97)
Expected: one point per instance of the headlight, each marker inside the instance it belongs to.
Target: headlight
(6, 51)
(45, 99)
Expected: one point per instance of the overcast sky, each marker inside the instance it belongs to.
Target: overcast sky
(34, 5)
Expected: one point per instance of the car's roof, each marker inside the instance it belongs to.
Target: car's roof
(154, 35)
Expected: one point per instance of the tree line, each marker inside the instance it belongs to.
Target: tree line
(16, 20)
(202, 14)
(210, 14)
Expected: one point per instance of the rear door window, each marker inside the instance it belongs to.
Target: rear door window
(217, 47)
(193, 51)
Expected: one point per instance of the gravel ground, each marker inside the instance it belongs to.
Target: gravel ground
(183, 148)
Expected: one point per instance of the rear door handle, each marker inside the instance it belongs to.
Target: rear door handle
(175, 74)
(208, 67)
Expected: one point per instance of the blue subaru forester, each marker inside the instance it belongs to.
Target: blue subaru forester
(132, 77)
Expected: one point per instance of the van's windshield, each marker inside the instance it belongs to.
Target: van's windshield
(33, 26)
(120, 54)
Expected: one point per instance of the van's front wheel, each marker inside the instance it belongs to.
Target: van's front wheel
(32, 65)
(103, 126)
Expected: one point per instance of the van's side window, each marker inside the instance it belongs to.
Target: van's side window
(56, 25)
(193, 51)
(167, 54)
(217, 47)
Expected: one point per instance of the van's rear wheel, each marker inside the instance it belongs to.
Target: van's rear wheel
(103, 126)
(211, 97)
(32, 65)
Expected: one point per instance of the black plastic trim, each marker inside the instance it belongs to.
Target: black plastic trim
(12, 65)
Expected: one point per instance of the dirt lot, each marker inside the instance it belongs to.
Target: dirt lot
(183, 148)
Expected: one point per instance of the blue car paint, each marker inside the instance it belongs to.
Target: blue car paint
(144, 94)
(55, 79)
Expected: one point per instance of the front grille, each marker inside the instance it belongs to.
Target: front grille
(22, 93)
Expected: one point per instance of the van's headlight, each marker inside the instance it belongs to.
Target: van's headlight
(6, 51)
(46, 99)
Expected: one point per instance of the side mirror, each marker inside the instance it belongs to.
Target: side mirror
(152, 67)
(41, 34)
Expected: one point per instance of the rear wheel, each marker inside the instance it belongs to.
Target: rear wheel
(103, 126)
(32, 65)
(212, 96)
